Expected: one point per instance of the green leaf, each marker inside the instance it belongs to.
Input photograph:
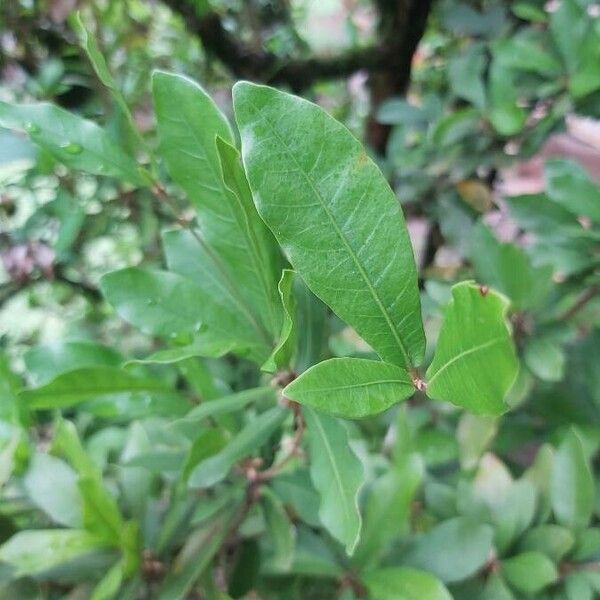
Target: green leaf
(239, 249)
(52, 486)
(110, 584)
(247, 441)
(78, 143)
(33, 552)
(337, 475)
(571, 186)
(507, 268)
(351, 387)
(388, 509)
(89, 45)
(311, 320)
(46, 362)
(157, 302)
(224, 313)
(203, 345)
(545, 358)
(404, 583)
(335, 217)
(465, 72)
(222, 406)
(474, 434)
(505, 115)
(474, 364)
(88, 383)
(281, 357)
(280, 531)
(572, 484)
(552, 540)
(452, 550)
(529, 572)
(101, 514)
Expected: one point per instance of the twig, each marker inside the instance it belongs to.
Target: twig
(580, 303)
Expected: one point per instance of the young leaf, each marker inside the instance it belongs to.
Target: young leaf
(337, 475)
(395, 583)
(572, 488)
(239, 250)
(335, 217)
(109, 585)
(88, 383)
(33, 552)
(158, 302)
(247, 441)
(76, 142)
(281, 357)
(474, 364)
(529, 572)
(351, 387)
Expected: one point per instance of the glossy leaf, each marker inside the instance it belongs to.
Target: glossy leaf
(335, 217)
(572, 484)
(474, 364)
(404, 583)
(88, 383)
(158, 302)
(351, 387)
(78, 143)
(337, 475)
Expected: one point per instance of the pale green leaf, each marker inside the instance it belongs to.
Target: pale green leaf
(337, 475)
(158, 302)
(78, 143)
(351, 387)
(33, 552)
(474, 364)
(280, 532)
(335, 217)
(88, 383)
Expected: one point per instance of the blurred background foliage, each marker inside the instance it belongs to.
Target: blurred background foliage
(484, 117)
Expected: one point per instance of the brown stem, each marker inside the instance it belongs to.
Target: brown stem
(580, 303)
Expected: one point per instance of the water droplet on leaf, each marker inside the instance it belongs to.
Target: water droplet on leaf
(31, 128)
(72, 148)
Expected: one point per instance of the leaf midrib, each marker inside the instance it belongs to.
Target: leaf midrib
(344, 240)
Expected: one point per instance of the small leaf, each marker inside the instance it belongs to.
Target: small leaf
(109, 585)
(280, 531)
(78, 143)
(474, 364)
(158, 302)
(335, 217)
(88, 383)
(572, 484)
(452, 550)
(351, 387)
(281, 357)
(552, 540)
(337, 475)
(33, 552)
(247, 441)
(529, 572)
(404, 583)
